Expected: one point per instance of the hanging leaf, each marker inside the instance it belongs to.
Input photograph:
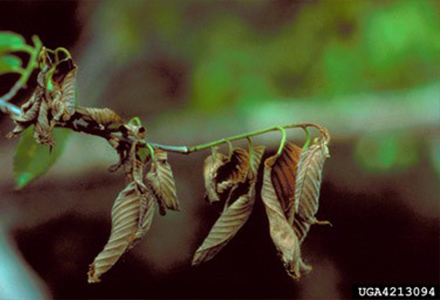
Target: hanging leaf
(284, 177)
(10, 64)
(136, 169)
(146, 214)
(282, 234)
(211, 165)
(308, 185)
(43, 129)
(128, 225)
(10, 42)
(32, 159)
(69, 94)
(64, 78)
(29, 113)
(161, 179)
(232, 172)
(241, 201)
(230, 221)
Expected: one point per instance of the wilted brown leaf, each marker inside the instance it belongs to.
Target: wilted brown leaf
(254, 164)
(136, 169)
(161, 179)
(282, 234)
(224, 229)
(284, 177)
(211, 165)
(146, 214)
(43, 129)
(29, 113)
(232, 172)
(102, 116)
(63, 105)
(237, 210)
(47, 106)
(131, 218)
(308, 185)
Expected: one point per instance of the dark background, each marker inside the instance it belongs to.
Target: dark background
(384, 206)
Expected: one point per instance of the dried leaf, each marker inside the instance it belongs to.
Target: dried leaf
(63, 105)
(161, 179)
(211, 165)
(241, 201)
(282, 234)
(258, 152)
(146, 214)
(131, 218)
(230, 221)
(43, 128)
(284, 177)
(241, 188)
(233, 171)
(308, 185)
(29, 113)
(69, 94)
(136, 169)
(102, 116)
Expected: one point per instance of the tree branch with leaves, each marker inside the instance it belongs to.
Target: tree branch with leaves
(291, 177)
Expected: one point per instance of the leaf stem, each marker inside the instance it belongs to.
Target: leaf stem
(283, 140)
(308, 138)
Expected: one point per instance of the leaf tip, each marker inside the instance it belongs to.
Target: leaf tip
(92, 276)
(22, 180)
(197, 259)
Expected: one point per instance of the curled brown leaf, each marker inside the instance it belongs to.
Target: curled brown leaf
(237, 210)
(43, 129)
(211, 165)
(132, 215)
(308, 184)
(64, 80)
(225, 228)
(281, 232)
(284, 177)
(162, 181)
(102, 116)
(29, 113)
(232, 172)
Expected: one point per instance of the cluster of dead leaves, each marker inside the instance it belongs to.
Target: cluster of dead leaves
(53, 101)
(53, 104)
(290, 193)
(133, 210)
(290, 181)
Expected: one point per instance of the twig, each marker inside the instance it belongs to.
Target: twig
(79, 123)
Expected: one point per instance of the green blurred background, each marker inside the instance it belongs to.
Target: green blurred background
(195, 71)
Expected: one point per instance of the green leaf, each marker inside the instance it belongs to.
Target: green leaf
(10, 41)
(32, 159)
(10, 64)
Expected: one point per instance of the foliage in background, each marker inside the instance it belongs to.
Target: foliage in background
(241, 56)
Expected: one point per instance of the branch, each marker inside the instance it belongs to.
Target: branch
(79, 122)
